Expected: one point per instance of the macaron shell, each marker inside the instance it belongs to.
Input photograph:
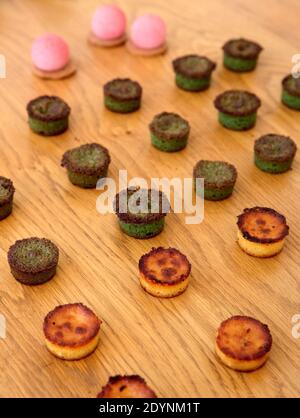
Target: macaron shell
(148, 32)
(108, 22)
(50, 52)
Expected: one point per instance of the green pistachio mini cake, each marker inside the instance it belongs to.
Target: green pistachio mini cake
(219, 179)
(241, 55)
(7, 191)
(193, 72)
(86, 164)
(141, 212)
(33, 260)
(48, 115)
(291, 92)
(237, 109)
(122, 95)
(274, 153)
(169, 132)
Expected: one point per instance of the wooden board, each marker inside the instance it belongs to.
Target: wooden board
(169, 342)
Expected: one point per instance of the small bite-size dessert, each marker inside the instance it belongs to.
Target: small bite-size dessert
(108, 28)
(132, 386)
(241, 55)
(122, 95)
(169, 132)
(219, 179)
(291, 92)
(147, 36)
(237, 109)
(71, 331)
(141, 212)
(193, 72)
(261, 231)
(274, 153)
(243, 343)
(48, 115)
(51, 57)
(86, 164)
(7, 191)
(33, 261)
(164, 272)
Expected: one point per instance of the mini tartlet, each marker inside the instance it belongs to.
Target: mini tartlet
(48, 115)
(193, 72)
(274, 153)
(241, 55)
(164, 272)
(86, 164)
(243, 343)
(219, 179)
(169, 132)
(7, 191)
(291, 92)
(141, 212)
(122, 95)
(71, 331)
(33, 261)
(261, 231)
(237, 109)
(132, 386)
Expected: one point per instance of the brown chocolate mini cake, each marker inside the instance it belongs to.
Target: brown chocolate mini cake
(241, 55)
(122, 95)
(7, 191)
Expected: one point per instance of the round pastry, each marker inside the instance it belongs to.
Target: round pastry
(243, 343)
(86, 164)
(291, 92)
(71, 331)
(126, 387)
(33, 261)
(147, 36)
(237, 109)
(141, 212)
(219, 179)
(164, 272)
(274, 153)
(48, 115)
(241, 54)
(193, 72)
(261, 231)
(7, 191)
(122, 95)
(169, 132)
(108, 26)
(51, 57)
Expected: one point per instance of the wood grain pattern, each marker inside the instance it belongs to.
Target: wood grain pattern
(169, 342)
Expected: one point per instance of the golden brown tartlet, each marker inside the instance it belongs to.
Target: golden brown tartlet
(126, 387)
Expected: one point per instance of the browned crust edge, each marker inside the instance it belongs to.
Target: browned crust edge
(286, 87)
(8, 184)
(127, 379)
(136, 96)
(211, 185)
(275, 159)
(177, 68)
(218, 105)
(258, 47)
(48, 118)
(166, 135)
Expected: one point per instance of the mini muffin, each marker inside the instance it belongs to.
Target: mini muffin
(86, 164)
(241, 54)
(243, 343)
(141, 212)
(193, 72)
(291, 92)
(164, 272)
(261, 231)
(122, 95)
(48, 115)
(219, 179)
(108, 26)
(237, 109)
(169, 132)
(274, 153)
(33, 261)
(7, 191)
(126, 387)
(71, 331)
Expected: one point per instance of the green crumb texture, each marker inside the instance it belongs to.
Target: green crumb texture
(272, 167)
(172, 145)
(237, 123)
(122, 95)
(191, 84)
(142, 231)
(239, 64)
(293, 102)
(216, 194)
(169, 132)
(50, 128)
(127, 106)
(85, 181)
(241, 54)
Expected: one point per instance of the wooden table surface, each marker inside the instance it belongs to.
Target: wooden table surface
(169, 342)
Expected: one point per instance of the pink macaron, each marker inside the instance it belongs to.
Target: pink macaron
(109, 22)
(148, 32)
(50, 53)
